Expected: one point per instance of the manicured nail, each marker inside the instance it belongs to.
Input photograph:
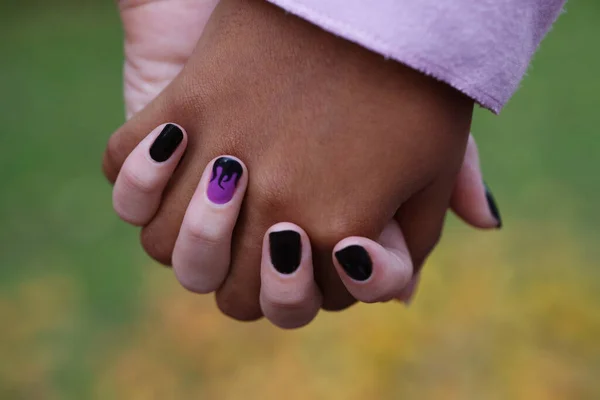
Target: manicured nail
(226, 173)
(356, 262)
(286, 251)
(166, 143)
(492, 205)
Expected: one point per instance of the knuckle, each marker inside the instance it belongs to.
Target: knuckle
(269, 196)
(238, 309)
(208, 235)
(110, 166)
(422, 252)
(159, 246)
(338, 303)
(331, 230)
(141, 183)
(432, 243)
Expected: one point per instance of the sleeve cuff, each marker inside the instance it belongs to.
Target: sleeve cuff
(480, 48)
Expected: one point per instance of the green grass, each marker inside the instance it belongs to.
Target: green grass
(61, 83)
(60, 78)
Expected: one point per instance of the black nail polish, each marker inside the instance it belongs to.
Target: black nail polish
(492, 205)
(286, 250)
(356, 262)
(166, 143)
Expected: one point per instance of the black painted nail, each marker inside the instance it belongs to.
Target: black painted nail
(493, 206)
(356, 262)
(166, 143)
(286, 250)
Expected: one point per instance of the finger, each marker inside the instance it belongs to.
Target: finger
(289, 296)
(371, 271)
(159, 235)
(145, 173)
(238, 295)
(471, 199)
(408, 293)
(126, 138)
(202, 251)
(422, 217)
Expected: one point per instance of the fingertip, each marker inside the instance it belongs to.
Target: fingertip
(288, 247)
(474, 203)
(471, 200)
(289, 296)
(408, 293)
(145, 173)
(226, 180)
(371, 272)
(352, 256)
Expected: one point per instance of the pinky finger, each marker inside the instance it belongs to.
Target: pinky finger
(372, 271)
(471, 198)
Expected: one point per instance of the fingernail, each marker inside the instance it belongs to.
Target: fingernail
(493, 206)
(166, 143)
(356, 262)
(226, 173)
(286, 251)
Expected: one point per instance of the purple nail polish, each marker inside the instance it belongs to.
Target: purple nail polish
(226, 173)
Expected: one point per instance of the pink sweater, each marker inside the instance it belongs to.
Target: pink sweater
(480, 47)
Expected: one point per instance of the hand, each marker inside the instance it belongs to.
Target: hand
(372, 271)
(223, 65)
(159, 38)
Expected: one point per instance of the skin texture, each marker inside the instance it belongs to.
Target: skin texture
(372, 271)
(275, 91)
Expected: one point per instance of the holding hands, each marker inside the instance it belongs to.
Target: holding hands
(271, 120)
(371, 271)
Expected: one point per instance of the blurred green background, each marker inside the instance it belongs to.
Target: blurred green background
(84, 314)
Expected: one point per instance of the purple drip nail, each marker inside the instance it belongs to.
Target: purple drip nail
(226, 174)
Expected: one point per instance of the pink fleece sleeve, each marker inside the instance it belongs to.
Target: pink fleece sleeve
(480, 47)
